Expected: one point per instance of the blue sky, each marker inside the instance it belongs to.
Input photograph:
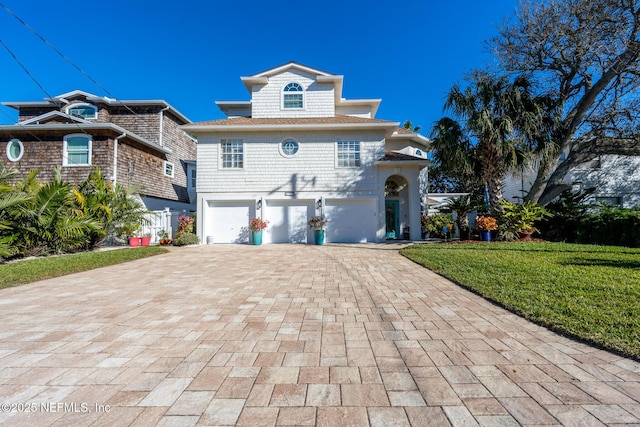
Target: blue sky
(192, 53)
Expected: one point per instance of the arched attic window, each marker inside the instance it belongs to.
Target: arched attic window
(293, 96)
(84, 111)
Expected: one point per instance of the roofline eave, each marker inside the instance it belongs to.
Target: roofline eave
(83, 127)
(201, 129)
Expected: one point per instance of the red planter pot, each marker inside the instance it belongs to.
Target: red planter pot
(145, 241)
(134, 241)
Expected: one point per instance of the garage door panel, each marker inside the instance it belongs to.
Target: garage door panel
(229, 221)
(287, 221)
(351, 221)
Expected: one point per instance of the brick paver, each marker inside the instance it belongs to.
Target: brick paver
(291, 335)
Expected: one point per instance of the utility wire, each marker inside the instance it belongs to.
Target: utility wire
(73, 64)
(28, 27)
(25, 69)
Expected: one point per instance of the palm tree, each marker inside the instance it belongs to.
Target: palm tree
(462, 206)
(410, 127)
(10, 199)
(498, 122)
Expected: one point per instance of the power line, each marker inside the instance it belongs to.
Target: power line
(15, 58)
(73, 64)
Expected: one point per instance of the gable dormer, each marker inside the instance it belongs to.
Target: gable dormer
(296, 91)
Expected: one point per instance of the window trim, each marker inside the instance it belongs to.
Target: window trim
(355, 155)
(82, 104)
(164, 168)
(192, 177)
(286, 92)
(65, 150)
(283, 153)
(237, 158)
(20, 144)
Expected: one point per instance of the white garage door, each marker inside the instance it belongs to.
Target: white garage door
(288, 220)
(351, 221)
(228, 222)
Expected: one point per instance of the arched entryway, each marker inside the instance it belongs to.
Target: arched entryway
(396, 206)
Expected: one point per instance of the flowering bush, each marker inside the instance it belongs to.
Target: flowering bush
(257, 224)
(486, 223)
(186, 224)
(317, 222)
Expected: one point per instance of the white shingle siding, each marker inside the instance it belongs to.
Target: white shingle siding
(267, 99)
(312, 169)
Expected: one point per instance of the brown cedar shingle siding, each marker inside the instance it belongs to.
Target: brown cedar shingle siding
(47, 154)
(137, 164)
(145, 122)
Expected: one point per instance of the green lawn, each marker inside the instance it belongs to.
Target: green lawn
(589, 292)
(30, 270)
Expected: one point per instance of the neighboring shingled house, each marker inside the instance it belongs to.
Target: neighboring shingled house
(298, 149)
(135, 142)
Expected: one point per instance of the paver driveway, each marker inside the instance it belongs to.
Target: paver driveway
(291, 335)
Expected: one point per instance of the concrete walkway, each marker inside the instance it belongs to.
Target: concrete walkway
(291, 335)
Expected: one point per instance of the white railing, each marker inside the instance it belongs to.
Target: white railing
(164, 220)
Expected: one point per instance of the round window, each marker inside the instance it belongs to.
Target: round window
(289, 147)
(15, 150)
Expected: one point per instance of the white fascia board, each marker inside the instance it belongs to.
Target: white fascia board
(281, 68)
(51, 114)
(416, 137)
(250, 81)
(395, 163)
(196, 130)
(18, 105)
(373, 103)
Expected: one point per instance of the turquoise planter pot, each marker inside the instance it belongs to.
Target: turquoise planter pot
(485, 236)
(318, 237)
(257, 237)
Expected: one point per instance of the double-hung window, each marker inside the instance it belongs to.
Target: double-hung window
(348, 154)
(232, 152)
(293, 96)
(76, 150)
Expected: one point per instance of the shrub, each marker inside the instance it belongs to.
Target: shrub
(519, 218)
(611, 226)
(186, 239)
(568, 211)
(434, 224)
(186, 225)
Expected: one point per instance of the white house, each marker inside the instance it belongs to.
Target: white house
(616, 180)
(298, 149)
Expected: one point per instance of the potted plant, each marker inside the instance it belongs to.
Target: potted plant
(317, 223)
(518, 220)
(145, 240)
(256, 226)
(164, 238)
(486, 224)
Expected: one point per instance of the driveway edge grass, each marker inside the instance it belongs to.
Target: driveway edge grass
(31, 270)
(591, 293)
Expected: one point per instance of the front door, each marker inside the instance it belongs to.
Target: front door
(392, 218)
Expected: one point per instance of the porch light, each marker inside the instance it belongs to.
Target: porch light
(259, 204)
(319, 204)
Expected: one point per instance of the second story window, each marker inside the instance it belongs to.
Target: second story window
(293, 96)
(348, 154)
(84, 111)
(168, 169)
(232, 152)
(76, 150)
